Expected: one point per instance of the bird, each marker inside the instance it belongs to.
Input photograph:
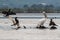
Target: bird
(42, 21)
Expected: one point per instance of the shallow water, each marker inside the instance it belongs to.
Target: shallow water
(34, 15)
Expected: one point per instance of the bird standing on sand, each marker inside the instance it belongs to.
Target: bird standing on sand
(42, 21)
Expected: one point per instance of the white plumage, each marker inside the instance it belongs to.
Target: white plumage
(43, 20)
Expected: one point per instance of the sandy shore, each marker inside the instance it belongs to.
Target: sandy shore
(29, 21)
(30, 34)
(6, 33)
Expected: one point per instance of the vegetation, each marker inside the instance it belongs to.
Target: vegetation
(35, 8)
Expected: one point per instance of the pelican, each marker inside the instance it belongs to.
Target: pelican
(42, 21)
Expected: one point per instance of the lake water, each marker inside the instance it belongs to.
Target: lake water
(34, 15)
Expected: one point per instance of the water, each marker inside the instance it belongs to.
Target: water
(34, 15)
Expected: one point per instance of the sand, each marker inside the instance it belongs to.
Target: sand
(6, 33)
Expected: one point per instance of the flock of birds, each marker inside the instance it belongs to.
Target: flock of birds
(42, 21)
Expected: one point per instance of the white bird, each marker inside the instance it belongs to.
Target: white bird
(43, 20)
